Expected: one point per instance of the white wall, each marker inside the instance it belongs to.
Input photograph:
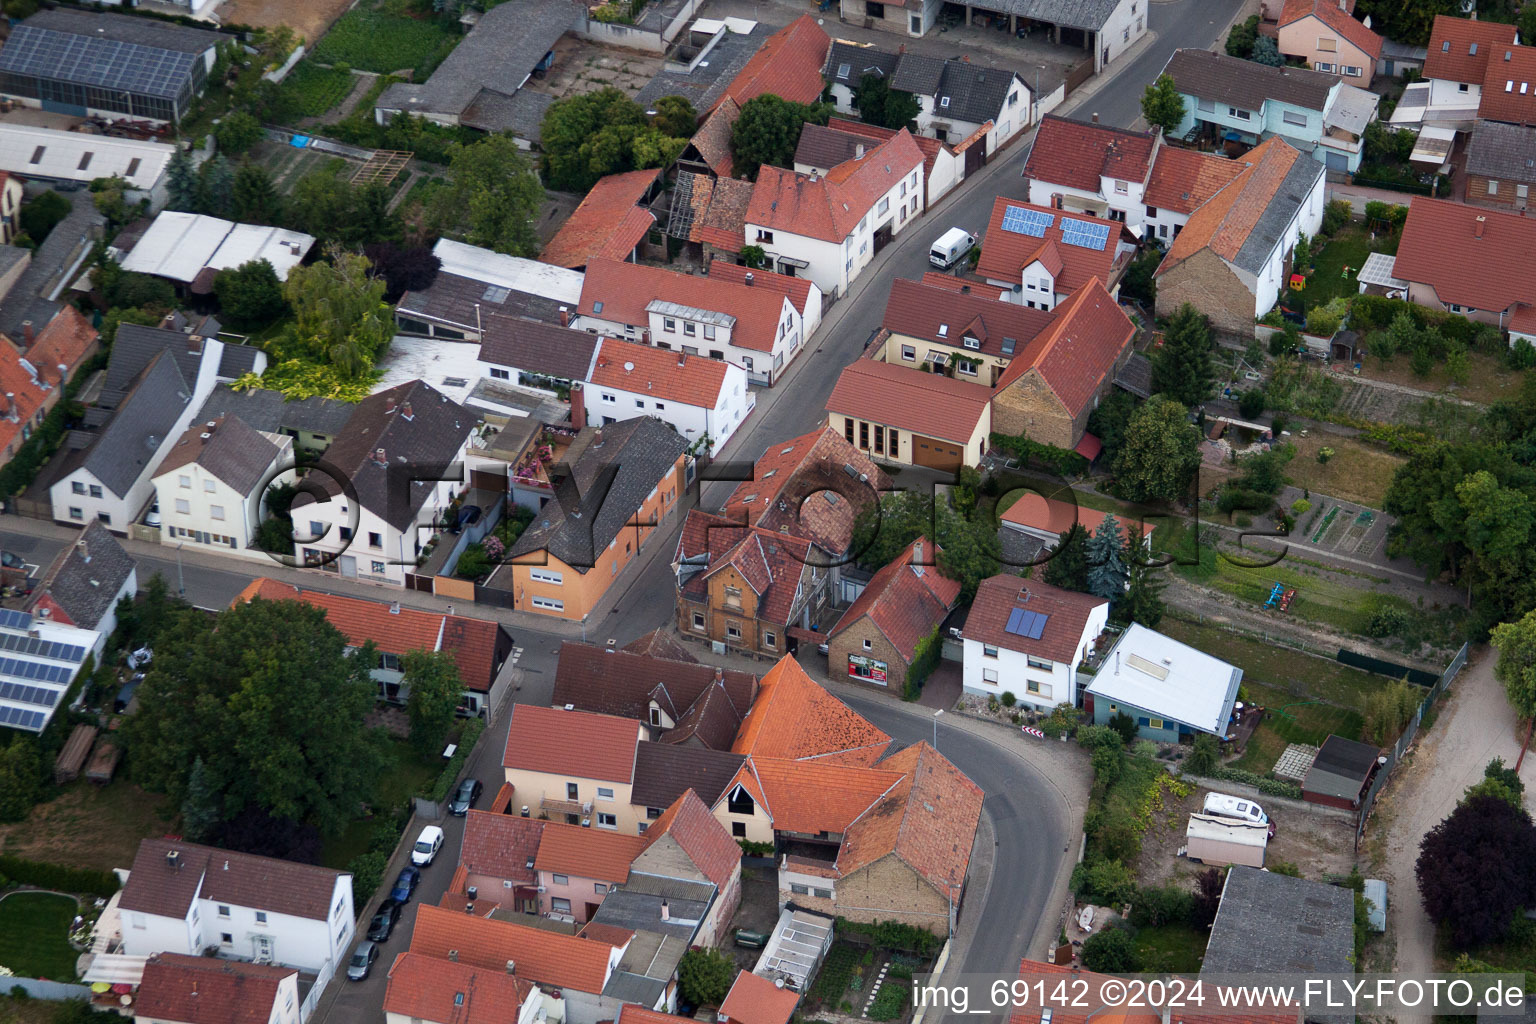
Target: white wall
(761, 367)
(1126, 25)
(692, 421)
(204, 492)
(147, 934)
(1308, 219)
(1015, 674)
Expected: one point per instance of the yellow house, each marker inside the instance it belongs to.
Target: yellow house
(573, 766)
(970, 334)
(902, 415)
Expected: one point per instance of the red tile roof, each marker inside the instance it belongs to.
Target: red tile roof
(771, 563)
(1440, 247)
(1005, 254)
(794, 719)
(634, 1013)
(830, 207)
(713, 139)
(756, 1000)
(1341, 21)
(501, 845)
(931, 147)
(1066, 616)
(27, 397)
(700, 835)
(1451, 45)
(788, 65)
(607, 224)
(965, 286)
(673, 376)
(543, 957)
(796, 289)
(929, 821)
(719, 210)
(575, 743)
(429, 989)
(593, 853)
(792, 472)
(809, 796)
(1184, 179)
(1077, 154)
(1229, 218)
(472, 642)
(943, 316)
(1080, 349)
(1509, 88)
(65, 339)
(905, 397)
(625, 289)
(1053, 516)
(202, 990)
(906, 599)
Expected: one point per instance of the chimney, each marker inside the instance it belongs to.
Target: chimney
(917, 557)
(565, 317)
(389, 406)
(813, 177)
(682, 360)
(524, 812)
(85, 551)
(405, 412)
(1477, 230)
(578, 406)
(749, 279)
(173, 858)
(26, 332)
(719, 675)
(666, 914)
(965, 289)
(453, 956)
(469, 908)
(1095, 117)
(858, 151)
(511, 966)
(394, 607)
(379, 458)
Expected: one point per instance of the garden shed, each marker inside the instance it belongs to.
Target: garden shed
(72, 758)
(1340, 773)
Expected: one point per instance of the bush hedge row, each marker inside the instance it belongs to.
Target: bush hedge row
(450, 774)
(57, 876)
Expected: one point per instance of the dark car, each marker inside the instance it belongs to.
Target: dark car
(11, 561)
(464, 799)
(362, 961)
(384, 921)
(405, 885)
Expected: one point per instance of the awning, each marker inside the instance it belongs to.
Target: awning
(1433, 147)
(790, 261)
(1378, 270)
(1089, 447)
(115, 969)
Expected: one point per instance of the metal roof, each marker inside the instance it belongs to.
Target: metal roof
(115, 52)
(1378, 271)
(75, 156)
(180, 245)
(1159, 675)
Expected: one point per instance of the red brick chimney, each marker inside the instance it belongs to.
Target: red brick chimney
(578, 406)
(565, 317)
(1477, 228)
(26, 332)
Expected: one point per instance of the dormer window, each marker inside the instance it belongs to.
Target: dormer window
(971, 342)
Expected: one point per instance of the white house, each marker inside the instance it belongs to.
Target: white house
(85, 582)
(185, 898)
(177, 988)
(39, 659)
(956, 99)
(213, 482)
(758, 328)
(1086, 167)
(1171, 689)
(828, 227)
(822, 148)
(1040, 256)
(1027, 638)
(402, 457)
(703, 399)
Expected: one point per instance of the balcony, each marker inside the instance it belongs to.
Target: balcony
(534, 467)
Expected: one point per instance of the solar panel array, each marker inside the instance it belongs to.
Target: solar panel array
(20, 719)
(93, 60)
(15, 620)
(1026, 623)
(41, 648)
(1027, 222)
(39, 695)
(1084, 234)
(23, 669)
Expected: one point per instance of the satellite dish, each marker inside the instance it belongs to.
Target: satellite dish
(629, 367)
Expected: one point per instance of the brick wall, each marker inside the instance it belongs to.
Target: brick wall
(1029, 407)
(1477, 192)
(887, 890)
(851, 641)
(1207, 283)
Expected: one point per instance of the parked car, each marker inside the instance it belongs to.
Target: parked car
(405, 884)
(152, 517)
(384, 921)
(950, 247)
(363, 956)
(427, 845)
(11, 561)
(464, 799)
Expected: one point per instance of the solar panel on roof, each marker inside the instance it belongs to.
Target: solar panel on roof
(1026, 623)
(1021, 221)
(20, 719)
(106, 63)
(15, 620)
(1084, 234)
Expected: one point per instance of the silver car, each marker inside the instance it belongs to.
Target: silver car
(363, 956)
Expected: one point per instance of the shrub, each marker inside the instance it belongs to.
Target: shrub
(1324, 454)
(1108, 763)
(1166, 905)
(1009, 700)
(1125, 725)
(473, 563)
(1387, 620)
(1107, 882)
(55, 876)
(1283, 867)
(1111, 951)
(1203, 758)
(450, 773)
(1522, 354)
(1251, 404)
(1095, 736)
(704, 976)
(367, 873)
(1335, 215)
(890, 1002)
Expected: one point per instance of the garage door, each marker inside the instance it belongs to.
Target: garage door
(1336, 161)
(936, 454)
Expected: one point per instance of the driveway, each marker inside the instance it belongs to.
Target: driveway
(1475, 725)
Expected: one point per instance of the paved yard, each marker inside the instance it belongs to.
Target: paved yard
(309, 18)
(582, 66)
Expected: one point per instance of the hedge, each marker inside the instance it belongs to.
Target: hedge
(450, 774)
(1062, 460)
(892, 935)
(1263, 783)
(56, 876)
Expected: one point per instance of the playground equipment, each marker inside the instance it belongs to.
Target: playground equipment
(1281, 597)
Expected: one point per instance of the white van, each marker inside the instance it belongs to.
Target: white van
(952, 245)
(1223, 806)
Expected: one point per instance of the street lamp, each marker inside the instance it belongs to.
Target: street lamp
(181, 583)
(936, 716)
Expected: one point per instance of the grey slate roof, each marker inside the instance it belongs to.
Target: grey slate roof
(1341, 768)
(425, 430)
(236, 360)
(579, 523)
(125, 28)
(859, 60)
(1277, 216)
(1136, 375)
(538, 348)
(1271, 923)
(451, 299)
(136, 346)
(34, 296)
(10, 255)
(664, 771)
(522, 113)
(824, 147)
(270, 411)
(233, 452)
(975, 93)
(709, 79)
(1087, 14)
(918, 74)
(146, 415)
(85, 583)
(1504, 152)
(498, 55)
(1244, 84)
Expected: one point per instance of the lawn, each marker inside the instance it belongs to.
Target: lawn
(1176, 948)
(406, 776)
(1489, 377)
(1357, 471)
(87, 826)
(314, 89)
(386, 39)
(34, 935)
(1348, 248)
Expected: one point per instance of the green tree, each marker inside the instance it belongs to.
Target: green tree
(1204, 757)
(1160, 453)
(340, 317)
(202, 811)
(1139, 283)
(604, 132)
(181, 183)
(436, 687)
(1111, 951)
(38, 216)
(268, 696)
(769, 129)
(1107, 573)
(1516, 667)
(704, 976)
(254, 197)
(237, 132)
(1241, 38)
(1143, 600)
(1527, 22)
(1498, 781)
(1181, 367)
(753, 256)
(1267, 52)
(1407, 21)
(675, 117)
(21, 774)
(1108, 420)
(250, 295)
(1162, 105)
(1068, 564)
(877, 103)
(1474, 870)
(111, 198)
(492, 197)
